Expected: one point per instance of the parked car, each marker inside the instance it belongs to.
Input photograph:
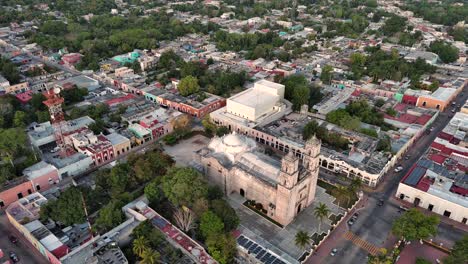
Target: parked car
(381, 202)
(402, 208)
(13, 239)
(351, 222)
(13, 257)
(355, 216)
(333, 252)
(399, 168)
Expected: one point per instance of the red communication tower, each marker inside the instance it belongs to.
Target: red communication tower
(57, 119)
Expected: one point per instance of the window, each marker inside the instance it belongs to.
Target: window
(2, 204)
(463, 220)
(20, 195)
(447, 213)
(29, 191)
(38, 187)
(430, 207)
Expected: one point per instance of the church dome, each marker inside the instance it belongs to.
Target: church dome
(232, 144)
(233, 140)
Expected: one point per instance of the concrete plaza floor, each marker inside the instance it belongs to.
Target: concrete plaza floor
(282, 240)
(417, 250)
(184, 151)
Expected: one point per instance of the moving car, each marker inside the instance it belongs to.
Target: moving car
(333, 252)
(13, 257)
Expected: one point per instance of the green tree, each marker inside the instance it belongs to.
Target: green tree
(153, 193)
(327, 74)
(110, 216)
(183, 186)
(140, 245)
(222, 247)
(211, 224)
(321, 212)
(188, 85)
(459, 253)
(227, 214)
(68, 208)
(42, 116)
(414, 225)
(37, 100)
(302, 239)
(150, 256)
(447, 52)
(12, 140)
(19, 120)
(423, 261)
(209, 126)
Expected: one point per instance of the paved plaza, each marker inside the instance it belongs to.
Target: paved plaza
(184, 151)
(281, 240)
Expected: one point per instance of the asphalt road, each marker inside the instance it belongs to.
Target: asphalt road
(22, 249)
(375, 222)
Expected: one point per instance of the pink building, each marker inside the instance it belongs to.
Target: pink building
(39, 177)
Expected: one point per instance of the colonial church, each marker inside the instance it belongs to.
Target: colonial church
(283, 187)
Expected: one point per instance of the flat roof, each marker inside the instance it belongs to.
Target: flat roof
(253, 97)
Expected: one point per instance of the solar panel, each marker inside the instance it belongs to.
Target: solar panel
(415, 176)
(248, 244)
(253, 247)
(257, 250)
(261, 253)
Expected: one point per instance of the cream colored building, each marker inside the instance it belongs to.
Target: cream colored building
(441, 194)
(120, 143)
(283, 187)
(256, 102)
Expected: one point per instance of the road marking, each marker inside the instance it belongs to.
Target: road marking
(373, 250)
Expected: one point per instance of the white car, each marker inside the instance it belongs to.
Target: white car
(398, 169)
(333, 252)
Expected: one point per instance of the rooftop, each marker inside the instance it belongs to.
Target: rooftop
(39, 169)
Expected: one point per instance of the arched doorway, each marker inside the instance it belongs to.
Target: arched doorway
(242, 192)
(299, 208)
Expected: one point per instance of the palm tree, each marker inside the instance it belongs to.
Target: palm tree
(356, 184)
(303, 239)
(321, 211)
(140, 245)
(341, 192)
(150, 257)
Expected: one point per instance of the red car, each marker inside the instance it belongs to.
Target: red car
(13, 239)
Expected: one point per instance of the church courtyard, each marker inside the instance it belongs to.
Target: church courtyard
(282, 240)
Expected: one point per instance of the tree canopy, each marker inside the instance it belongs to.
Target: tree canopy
(459, 253)
(447, 52)
(183, 186)
(188, 85)
(68, 208)
(414, 225)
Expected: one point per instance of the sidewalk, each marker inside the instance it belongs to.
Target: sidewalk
(442, 218)
(337, 234)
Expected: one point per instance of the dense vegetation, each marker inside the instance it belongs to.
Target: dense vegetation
(9, 71)
(206, 214)
(381, 65)
(334, 140)
(447, 52)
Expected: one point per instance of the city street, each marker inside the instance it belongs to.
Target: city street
(22, 249)
(375, 222)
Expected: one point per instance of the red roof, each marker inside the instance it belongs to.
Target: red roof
(356, 92)
(119, 99)
(61, 251)
(24, 97)
(459, 190)
(437, 158)
(407, 118)
(399, 107)
(424, 184)
(422, 120)
(445, 136)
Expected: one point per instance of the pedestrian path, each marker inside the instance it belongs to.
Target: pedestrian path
(373, 250)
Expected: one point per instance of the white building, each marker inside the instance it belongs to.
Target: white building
(430, 186)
